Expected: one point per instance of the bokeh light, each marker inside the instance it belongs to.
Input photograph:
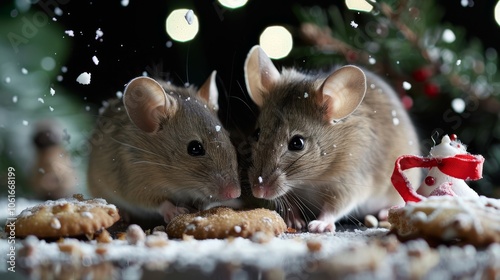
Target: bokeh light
(276, 41)
(233, 4)
(180, 27)
(497, 12)
(359, 5)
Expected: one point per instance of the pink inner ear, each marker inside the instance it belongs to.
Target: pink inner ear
(342, 92)
(146, 103)
(208, 91)
(260, 74)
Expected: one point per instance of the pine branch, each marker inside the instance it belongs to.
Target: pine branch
(322, 38)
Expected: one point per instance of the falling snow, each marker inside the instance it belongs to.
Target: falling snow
(51, 109)
(306, 94)
(40, 100)
(70, 33)
(24, 71)
(52, 91)
(95, 60)
(448, 36)
(58, 11)
(467, 3)
(395, 121)
(260, 179)
(84, 78)
(98, 33)
(354, 24)
(372, 60)
(217, 128)
(25, 122)
(119, 94)
(14, 98)
(124, 3)
(189, 17)
(406, 85)
(7, 80)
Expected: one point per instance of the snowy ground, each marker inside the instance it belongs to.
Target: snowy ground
(360, 254)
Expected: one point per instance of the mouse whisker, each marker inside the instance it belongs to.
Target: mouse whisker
(354, 221)
(151, 162)
(302, 206)
(286, 168)
(134, 147)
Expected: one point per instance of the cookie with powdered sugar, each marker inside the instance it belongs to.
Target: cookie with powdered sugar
(65, 217)
(449, 219)
(224, 222)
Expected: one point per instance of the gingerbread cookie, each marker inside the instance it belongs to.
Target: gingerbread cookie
(223, 222)
(447, 219)
(65, 217)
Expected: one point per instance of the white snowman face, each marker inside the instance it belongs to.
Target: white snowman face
(448, 147)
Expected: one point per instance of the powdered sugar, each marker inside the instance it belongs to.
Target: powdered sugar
(356, 253)
(88, 204)
(288, 253)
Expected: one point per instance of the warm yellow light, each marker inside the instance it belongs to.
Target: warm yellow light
(359, 5)
(497, 12)
(276, 41)
(182, 25)
(233, 4)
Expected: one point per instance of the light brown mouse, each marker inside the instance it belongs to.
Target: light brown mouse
(162, 150)
(326, 143)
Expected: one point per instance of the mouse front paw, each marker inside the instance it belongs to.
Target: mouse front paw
(293, 218)
(318, 226)
(296, 223)
(170, 211)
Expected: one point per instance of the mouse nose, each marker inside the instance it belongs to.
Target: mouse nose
(261, 190)
(230, 191)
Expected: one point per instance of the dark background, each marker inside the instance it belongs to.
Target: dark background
(135, 40)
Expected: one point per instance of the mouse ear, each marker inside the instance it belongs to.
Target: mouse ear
(147, 103)
(208, 91)
(260, 74)
(342, 92)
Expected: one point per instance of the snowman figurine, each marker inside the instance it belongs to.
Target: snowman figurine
(439, 183)
(449, 164)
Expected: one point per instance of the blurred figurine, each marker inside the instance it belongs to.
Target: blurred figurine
(53, 176)
(449, 167)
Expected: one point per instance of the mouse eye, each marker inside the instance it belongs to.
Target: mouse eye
(195, 149)
(256, 134)
(296, 144)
